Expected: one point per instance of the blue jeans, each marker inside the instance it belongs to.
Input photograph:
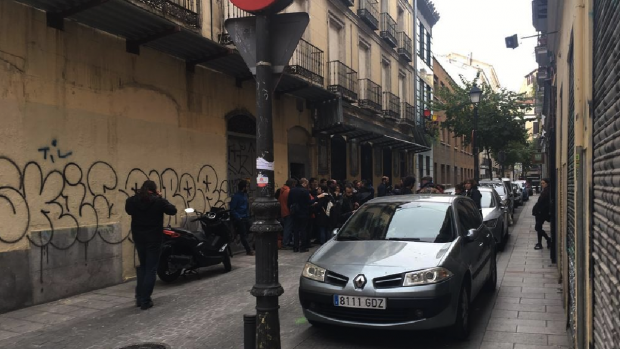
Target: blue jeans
(287, 225)
(148, 254)
(242, 227)
(323, 235)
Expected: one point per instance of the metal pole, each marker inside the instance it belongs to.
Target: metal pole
(475, 144)
(249, 331)
(265, 228)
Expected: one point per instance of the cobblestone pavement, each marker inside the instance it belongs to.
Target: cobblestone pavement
(525, 313)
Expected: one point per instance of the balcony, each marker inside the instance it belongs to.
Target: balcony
(343, 81)
(348, 3)
(408, 113)
(405, 46)
(391, 106)
(388, 29)
(370, 96)
(369, 13)
(307, 62)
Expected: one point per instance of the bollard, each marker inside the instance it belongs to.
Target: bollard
(249, 331)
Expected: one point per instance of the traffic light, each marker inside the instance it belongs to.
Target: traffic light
(512, 42)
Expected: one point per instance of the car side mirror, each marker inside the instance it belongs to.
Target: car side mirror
(471, 235)
(335, 232)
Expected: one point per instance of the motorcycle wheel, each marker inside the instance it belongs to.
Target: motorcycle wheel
(226, 261)
(163, 270)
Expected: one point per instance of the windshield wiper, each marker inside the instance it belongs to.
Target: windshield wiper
(405, 239)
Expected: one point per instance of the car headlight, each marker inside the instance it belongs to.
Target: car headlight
(313, 272)
(427, 276)
(491, 223)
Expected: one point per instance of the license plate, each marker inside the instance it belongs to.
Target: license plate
(359, 302)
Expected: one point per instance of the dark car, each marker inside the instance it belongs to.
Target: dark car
(402, 262)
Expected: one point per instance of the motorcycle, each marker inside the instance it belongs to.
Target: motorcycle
(184, 251)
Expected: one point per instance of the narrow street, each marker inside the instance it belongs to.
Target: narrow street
(525, 313)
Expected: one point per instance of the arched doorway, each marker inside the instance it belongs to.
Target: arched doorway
(367, 162)
(241, 152)
(298, 153)
(339, 158)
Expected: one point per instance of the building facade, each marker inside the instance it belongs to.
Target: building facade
(98, 97)
(454, 161)
(577, 79)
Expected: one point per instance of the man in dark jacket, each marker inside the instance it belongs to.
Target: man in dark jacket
(299, 203)
(147, 210)
(240, 212)
(384, 188)
(408, 185)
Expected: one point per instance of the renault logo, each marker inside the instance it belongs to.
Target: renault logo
(359, 282)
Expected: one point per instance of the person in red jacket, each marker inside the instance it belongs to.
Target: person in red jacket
(287, 219)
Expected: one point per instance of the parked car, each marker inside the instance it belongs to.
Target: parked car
(524, 192)
(402, 262)
(518, 196)
(494, 215)
(504, 194)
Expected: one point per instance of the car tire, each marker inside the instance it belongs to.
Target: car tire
(491, 283)
(227, 263)
(461, 326)
(502, 242)
(316, 324)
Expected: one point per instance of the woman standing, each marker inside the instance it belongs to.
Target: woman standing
(471, 190)
(542, 214)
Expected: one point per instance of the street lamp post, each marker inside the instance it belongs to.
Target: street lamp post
(475, 94)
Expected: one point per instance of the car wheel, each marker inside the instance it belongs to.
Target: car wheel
(491, 283)
(461, 325)
(502, 240)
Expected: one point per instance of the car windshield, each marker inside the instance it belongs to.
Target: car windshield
(487, 199)
(400, 221)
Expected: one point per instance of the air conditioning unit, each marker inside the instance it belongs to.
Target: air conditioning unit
(542, 55)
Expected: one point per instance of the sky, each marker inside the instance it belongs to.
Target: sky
(480, 27)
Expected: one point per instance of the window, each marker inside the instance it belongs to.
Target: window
(443, 173)
(468, 216)
(403, 164)
(428, 165)
(364, 71)
(429, 51)
(386, 79)
(336, 40)
(421, 36)
(402, 86)
(421, 166)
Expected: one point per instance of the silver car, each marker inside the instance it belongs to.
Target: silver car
(402, 262)
(494, 215)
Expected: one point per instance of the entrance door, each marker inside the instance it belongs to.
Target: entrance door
(339, 158)
(387, 164)
(298, 153)
(367, 162)
(297, 170)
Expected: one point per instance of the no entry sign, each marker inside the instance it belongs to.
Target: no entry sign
(255, 6)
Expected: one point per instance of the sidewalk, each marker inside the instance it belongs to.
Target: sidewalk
(528, 311)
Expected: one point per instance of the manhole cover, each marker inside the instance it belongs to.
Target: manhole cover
(147, 346)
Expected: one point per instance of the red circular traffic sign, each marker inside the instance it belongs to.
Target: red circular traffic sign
(253, 5)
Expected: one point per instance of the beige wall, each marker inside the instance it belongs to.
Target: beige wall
(110, 119)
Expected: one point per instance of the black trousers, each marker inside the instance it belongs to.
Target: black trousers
(148, 254)
(300, 230)
(243, 227)
(539, 229)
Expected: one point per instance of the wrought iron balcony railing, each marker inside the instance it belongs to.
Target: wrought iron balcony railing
(307, 62)
(369, 13)
(187, 11)
(405, 46)
(370, 96)
(228, 10)
(391, 105)
(388, 29)
(408, 113)
(343, 80)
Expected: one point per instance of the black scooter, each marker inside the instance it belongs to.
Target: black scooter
(184, 251)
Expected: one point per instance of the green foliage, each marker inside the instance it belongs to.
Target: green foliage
(517, 152)
(500, 115)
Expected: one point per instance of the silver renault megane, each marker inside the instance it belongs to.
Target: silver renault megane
(402, 262)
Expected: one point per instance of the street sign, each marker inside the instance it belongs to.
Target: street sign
(285, 31)
(260, 6)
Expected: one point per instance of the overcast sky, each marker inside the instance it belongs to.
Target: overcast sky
(480, 27)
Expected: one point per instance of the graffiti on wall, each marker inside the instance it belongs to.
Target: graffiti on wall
(75, 196)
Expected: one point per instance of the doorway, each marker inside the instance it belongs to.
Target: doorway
(387, 163)
(339, 158)
(367, 162)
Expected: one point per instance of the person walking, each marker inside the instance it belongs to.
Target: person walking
(287, 219)
(471, 190)
(147, 209)
(240, 212)
(541, 212)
